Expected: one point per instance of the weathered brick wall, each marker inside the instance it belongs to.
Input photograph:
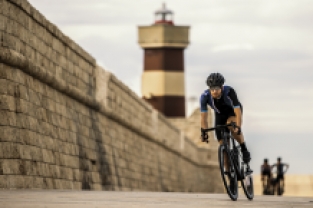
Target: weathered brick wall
(65, 123)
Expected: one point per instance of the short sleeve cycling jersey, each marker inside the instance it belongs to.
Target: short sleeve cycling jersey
(228, 100)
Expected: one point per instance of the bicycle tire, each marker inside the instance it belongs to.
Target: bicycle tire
(233, 194)
(247, 185)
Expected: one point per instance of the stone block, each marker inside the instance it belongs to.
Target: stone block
(22, 121)
(85, 164)
(7, 103)
(45, 170)
(4, 183)
(28, 182)
(39, 113)
(38, 88)
(77, 185)
(91, 154)
(48, 143)
(18, 77)
(10, 150)
(25, 152)
(49, 183)
(58, 171)
(7, 118)
(6, 72)
(76, 175)
(58, 183)
(27, 167)
(63, 172)
(95, 177)
(3, 82)
(38, 182)
(73, 162)
(96, 187)
(52, 170)
(44, 127)
(8, 134)
(67, 184)
(15, 181)
(69, 174)
(48, 104)
(33, 124)
(72, 150)
(35, 97)
(36, 154)
(21, 106)
(48, 156)
(10, 167)
(3, 20)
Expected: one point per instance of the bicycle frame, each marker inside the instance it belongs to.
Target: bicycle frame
(232, 150)
(233, 153)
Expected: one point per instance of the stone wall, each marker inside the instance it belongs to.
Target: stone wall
(66, 123)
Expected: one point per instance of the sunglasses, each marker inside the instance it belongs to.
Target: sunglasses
(217, 88)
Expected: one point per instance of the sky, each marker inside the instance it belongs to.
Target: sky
(264, 49)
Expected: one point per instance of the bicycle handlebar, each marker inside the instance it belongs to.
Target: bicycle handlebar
(223, 127)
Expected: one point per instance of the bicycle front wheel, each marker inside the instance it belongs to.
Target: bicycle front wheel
(247, 183)
(228, 173)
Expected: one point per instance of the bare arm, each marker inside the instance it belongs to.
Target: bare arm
(238, 116)
(286, 168)
(204, 120)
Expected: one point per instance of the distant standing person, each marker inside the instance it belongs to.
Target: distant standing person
(266, 175)
(280, 172)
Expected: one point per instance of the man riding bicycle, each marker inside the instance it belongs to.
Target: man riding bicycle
(223, 100)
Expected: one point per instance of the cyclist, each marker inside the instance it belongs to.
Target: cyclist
(266, 175)
(280, 172)
(223, 100)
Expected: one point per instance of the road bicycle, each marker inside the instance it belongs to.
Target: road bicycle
(232, 167)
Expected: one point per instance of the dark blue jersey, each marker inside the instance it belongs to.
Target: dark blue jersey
(226, 103)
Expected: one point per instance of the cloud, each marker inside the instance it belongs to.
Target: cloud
(233, 47)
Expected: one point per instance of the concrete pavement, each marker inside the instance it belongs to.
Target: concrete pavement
(107, 199)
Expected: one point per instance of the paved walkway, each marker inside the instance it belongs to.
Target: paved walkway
(93, 199)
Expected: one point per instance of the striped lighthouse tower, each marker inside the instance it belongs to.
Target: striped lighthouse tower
(163, 82)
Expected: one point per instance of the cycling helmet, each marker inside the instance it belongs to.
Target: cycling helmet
(215, 79)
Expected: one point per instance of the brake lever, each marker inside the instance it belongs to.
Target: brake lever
(233, 124)
(203, 132)
(239, 131)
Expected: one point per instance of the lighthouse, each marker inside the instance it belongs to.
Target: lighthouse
(163, 81)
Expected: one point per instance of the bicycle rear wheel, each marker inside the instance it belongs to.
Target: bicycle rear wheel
(247, 183)
(229, 177)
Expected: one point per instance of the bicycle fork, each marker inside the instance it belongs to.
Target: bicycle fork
(229, 162)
